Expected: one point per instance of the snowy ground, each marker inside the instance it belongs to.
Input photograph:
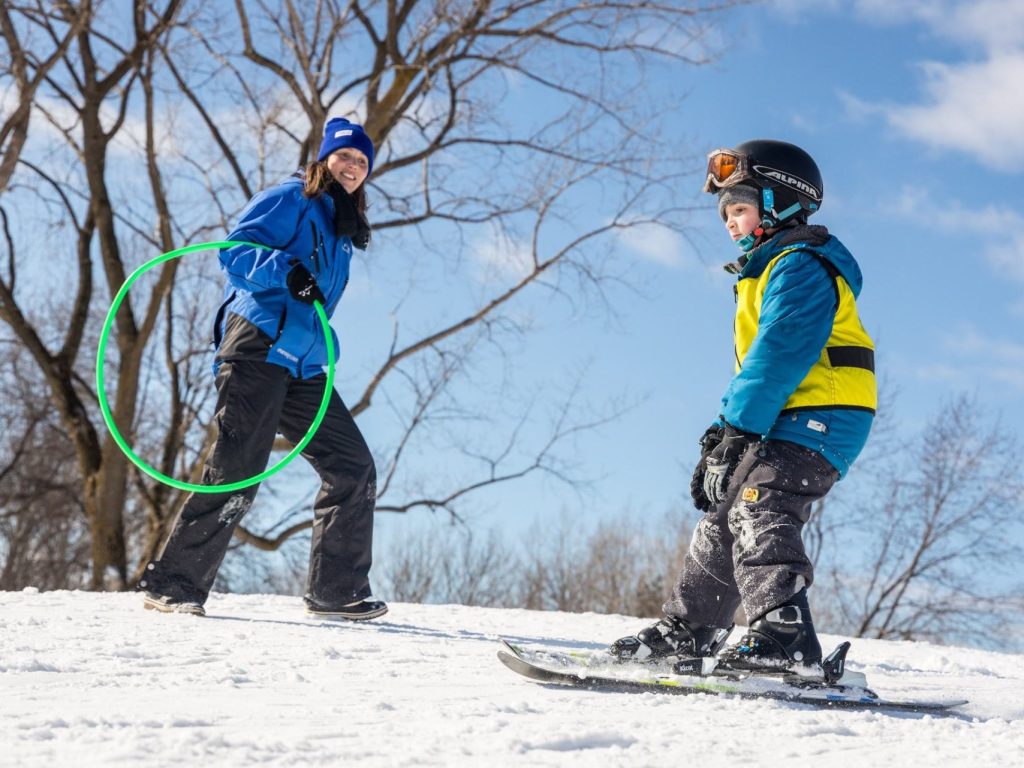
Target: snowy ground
(92, 679)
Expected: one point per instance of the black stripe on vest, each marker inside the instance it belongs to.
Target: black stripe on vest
(851, 357)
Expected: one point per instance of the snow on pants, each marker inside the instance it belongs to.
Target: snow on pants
(255, 400)
(749, 550)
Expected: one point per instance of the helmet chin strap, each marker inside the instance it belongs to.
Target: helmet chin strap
(754, 238)
(769, 220)
(751, 241)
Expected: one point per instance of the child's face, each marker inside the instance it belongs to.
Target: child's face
(741, 219)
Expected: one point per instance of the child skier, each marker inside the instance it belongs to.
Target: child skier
(794, 418)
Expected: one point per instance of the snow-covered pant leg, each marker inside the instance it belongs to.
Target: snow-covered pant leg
(342, 546)
(705, 594)
(749, 548)
(772, 504)
(249, 400)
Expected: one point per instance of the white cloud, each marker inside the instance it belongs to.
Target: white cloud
(502, 258)
(797, 9)
(951, 374)
(977, 108)
(993, 25)
(1003, 228)
(969, 341)
(996, 24)
(656, 244)
(999, 228)
(974, 106)
(1011, 377)
(1001, 360)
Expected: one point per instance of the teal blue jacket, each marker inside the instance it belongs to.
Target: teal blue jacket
(797, 313)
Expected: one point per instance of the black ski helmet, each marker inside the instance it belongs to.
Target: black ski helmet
(787, 176)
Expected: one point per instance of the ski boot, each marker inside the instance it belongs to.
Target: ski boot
(782, 641)
(670, 639)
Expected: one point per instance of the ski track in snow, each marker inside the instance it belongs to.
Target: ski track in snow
(91, 679)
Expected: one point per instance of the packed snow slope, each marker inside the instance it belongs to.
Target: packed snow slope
(92, 679)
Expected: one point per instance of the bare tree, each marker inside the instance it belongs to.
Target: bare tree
(43, 540)
(927, 542)
(430, 81)
(623, 566)
(100, 68)
(626, 566)
(409, 572)
(28, 64)
(451, 563)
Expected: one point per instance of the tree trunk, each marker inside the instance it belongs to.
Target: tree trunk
(109, 558)
(108, 483)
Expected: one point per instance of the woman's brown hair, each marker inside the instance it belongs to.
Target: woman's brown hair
(317, 180)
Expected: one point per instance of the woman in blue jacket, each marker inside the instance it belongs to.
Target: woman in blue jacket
(269, 366)
(794, 418)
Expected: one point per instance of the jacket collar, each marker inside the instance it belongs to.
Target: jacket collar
(753, 263)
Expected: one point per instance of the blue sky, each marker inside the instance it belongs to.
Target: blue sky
(915, 114)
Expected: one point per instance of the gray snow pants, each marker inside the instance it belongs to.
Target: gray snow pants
(255, 400)
(748, 549)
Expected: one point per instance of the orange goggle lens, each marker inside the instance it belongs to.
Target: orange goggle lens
(722, 165)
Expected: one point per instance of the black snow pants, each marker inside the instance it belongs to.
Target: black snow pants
(255, 400)
(749, 549)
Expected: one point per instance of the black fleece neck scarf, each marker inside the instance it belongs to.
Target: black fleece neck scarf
(348, 221)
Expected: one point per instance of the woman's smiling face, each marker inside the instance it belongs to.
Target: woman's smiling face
(349, 168)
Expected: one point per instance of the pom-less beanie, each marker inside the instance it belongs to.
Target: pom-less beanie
(339, 133)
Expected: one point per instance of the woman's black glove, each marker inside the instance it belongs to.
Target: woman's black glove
(722, 461)
(302, 286)
(711, 438)
(348, 220)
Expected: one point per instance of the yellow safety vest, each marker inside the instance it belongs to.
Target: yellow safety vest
(844, 374)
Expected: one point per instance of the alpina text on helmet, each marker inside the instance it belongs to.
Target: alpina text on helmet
(789, 180)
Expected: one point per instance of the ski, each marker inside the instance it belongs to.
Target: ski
(598, 671)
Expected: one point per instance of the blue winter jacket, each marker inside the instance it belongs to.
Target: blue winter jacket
(296, 230)
(797, 314)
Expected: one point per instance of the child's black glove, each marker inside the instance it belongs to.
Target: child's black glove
(708, 442)
(302, 286)
(722, 461)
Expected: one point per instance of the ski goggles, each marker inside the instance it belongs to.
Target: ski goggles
(725, 168)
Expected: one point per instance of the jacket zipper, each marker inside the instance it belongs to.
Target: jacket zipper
(316, 246)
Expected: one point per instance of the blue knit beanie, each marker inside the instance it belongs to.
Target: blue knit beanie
(339, 133)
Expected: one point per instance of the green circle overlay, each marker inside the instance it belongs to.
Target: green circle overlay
(105, 408)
